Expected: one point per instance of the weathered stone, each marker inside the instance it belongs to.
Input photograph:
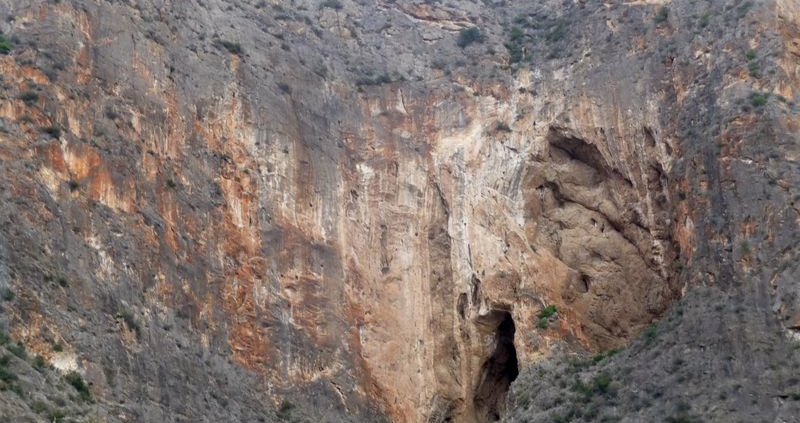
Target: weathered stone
(221, 207)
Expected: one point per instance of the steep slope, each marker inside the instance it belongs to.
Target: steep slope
(243, 210)
(728, 350)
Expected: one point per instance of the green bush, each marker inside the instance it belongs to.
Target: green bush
(6, 375)
(601, 383)
(650, 333)
(514, 45)
(603, 355)
(705, 20)
(745, 246)
(754, 69)
(5, 45)
(557, 31)
(515, 52)
(56, 416)
(29, 97)
(39, 407)
(233, 48)
(39, 363)
(682, 418)
(662, 14)
(15, 388)
(469, 36)
(547, 312)
(76, 380)
(18, 350)
(758, 99)
(285, 410)
(377, 80)
(8, 294)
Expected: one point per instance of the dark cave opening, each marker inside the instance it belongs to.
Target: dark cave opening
(498, 371)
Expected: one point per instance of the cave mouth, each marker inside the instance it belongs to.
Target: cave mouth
(498, 371)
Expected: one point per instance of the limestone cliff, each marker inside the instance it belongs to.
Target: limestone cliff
(362, 210)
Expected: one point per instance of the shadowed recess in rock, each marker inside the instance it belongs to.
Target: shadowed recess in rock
(499, 370)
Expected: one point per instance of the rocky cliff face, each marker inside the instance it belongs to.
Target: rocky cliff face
(362, 210)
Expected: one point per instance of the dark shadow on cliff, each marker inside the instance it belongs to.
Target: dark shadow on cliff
(499, 370)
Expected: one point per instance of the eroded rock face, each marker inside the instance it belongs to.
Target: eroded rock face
(349, 211)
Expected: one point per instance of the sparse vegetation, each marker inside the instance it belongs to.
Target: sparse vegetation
(377, 80)
(514, 45)
(557, 31)
(745, 247)
(662, 15)
(650, 333)
(705, 19)
(758, 99)
(682, 418)
(7, 294)
(332, 4)
(469, 36)
(6, 375)
(39, 362)
(285, 410)
(53, 130)
(603, 355)
(547, 312)
(502, 127)
(56, 416)
(601, 384)
(5, 45)
(76, 380)
(18, 350)
(220, 399)
(29, 97)
(754, 69)
(231, 47)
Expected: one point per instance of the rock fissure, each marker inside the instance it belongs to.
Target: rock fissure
(499, 369)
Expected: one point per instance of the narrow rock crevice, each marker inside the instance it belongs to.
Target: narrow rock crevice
(498, 371)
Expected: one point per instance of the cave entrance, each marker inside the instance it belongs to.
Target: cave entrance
(499, 369)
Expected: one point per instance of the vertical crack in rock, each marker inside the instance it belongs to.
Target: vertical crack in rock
(499, 370)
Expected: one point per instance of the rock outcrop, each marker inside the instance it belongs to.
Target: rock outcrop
(243, 210)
